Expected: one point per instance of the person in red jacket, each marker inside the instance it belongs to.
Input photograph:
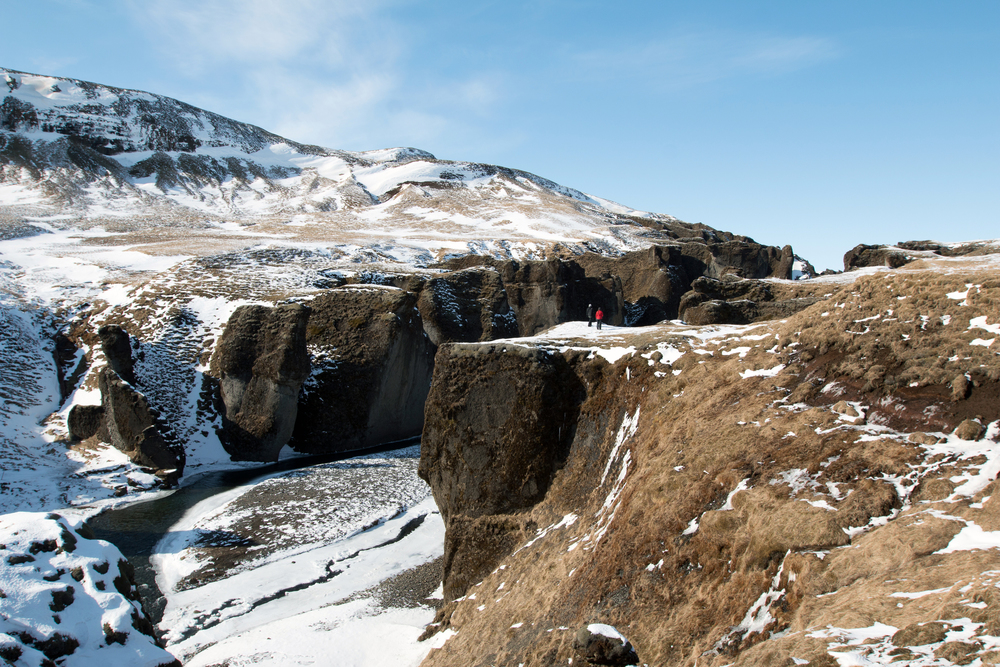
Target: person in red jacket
(599, 316)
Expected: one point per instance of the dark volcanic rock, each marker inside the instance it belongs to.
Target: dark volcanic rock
(260, 362)
(466, 306)
(133, 427)
(732, 300)
(546, 293)
(909, 251)
(70, 364)
(487, 412)
(636, 289)
(117, 347)
(652, 281)
(594, 645)
(372, 370)
(745, 258)
(876, 255)
(84, 421)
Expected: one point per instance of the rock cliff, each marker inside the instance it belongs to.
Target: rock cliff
(133, 427)
(372, 367)
(260, 362)
(125, 418)
(790, 492)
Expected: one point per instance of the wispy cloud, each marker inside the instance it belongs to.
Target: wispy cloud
(207, 33)
(335, 72)
(690, 59)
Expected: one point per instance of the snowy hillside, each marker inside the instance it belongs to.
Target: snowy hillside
(73, 152)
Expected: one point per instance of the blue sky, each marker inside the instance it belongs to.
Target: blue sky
(819, 124)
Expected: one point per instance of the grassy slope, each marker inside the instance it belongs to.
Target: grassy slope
(839, 519)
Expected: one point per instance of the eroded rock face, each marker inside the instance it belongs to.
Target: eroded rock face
(489, 408)
(636, 289)
(373, 367)
(466, 306)
(260, 362)
(125, 418)
(745, 258)
(117, 347)
(733, 300)
(652, 281)
(876, 255)
(546, 293)
(133, 427)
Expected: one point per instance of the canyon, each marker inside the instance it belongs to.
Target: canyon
(748, 464)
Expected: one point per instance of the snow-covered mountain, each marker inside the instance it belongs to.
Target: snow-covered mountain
(94, 154)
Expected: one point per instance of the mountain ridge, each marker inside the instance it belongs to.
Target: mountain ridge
(96, 150)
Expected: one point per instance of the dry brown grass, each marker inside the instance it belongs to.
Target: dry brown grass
(812, 472)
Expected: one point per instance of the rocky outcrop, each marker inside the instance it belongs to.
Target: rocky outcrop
(125, 418)
(733, 300)
(85, 421)
(70, 364)
(260, 363)
(488, 409)
(546, 293)
(652, 281)
(372, 370)
(468, 305)
(117, 347)
(134, 428)
(599, 644)
(745, 258)
(904, 253)
(876, 255)
(969, 249)
(635, 289)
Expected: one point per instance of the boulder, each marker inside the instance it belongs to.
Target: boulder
(84, 421)
(700, 311)
(600, 644)
(372, 367)
(970, 429)
(960, 388)
(134, 428)
(260, 363)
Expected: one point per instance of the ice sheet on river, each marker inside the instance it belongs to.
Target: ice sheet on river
(315, 543)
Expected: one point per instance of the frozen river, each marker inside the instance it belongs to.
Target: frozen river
(293, 567)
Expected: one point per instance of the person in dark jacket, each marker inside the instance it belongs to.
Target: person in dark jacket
(590, 314)
(599, 315)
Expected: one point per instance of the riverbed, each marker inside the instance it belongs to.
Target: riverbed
(290, 566)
